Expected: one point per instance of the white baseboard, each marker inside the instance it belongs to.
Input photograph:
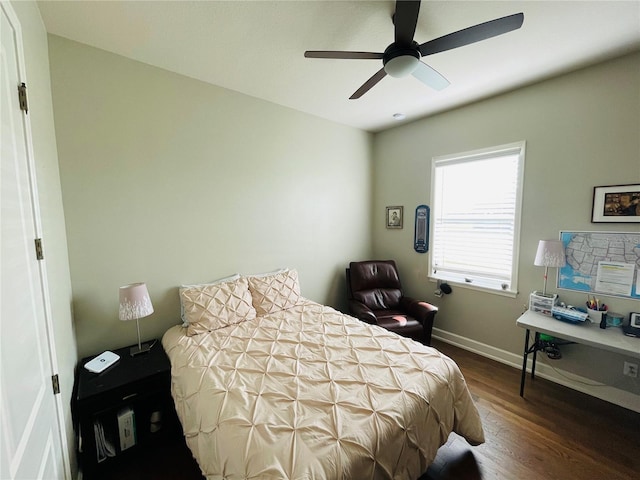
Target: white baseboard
(607, 393)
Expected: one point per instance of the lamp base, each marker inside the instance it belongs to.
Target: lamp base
(538, 293)
(137, 350)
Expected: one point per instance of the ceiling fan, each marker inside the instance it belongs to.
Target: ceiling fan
(402, 57)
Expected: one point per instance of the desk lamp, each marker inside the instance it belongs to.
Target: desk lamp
(550, 254)
(135, 304)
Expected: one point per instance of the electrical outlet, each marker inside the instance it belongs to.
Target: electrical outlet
(630, 369)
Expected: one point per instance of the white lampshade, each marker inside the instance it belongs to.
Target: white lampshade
(550, 254)
(135, 304)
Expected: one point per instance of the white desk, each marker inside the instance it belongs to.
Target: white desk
(586, 333)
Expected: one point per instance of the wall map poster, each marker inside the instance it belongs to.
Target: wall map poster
(607, 263)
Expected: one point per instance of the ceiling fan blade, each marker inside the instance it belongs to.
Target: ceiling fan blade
(430, 77)
(366, 86)
(405, 20)
(340, 54)
(473, 34)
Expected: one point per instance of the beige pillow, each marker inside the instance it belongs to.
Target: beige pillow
(276, 292)
(230, 278)
(210, 307)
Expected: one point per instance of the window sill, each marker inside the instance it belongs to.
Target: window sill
(479, 288)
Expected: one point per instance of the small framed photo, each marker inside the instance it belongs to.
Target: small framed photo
(634, 320)
(394, 217)
(616, 204)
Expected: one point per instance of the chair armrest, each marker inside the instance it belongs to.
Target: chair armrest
(423, 312)
(418, 309)
(361, 311)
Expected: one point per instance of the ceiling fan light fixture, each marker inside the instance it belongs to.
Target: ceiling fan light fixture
(402, 65)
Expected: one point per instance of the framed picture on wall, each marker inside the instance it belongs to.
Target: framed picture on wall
(616, 204)
(394, 217)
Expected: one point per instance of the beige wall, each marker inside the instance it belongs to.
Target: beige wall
(168, 180)
(51, 213)
(581, 131)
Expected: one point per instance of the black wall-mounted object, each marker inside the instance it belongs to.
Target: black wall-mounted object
(421, 236)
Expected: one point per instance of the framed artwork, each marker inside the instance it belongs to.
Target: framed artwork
(616, 204)
(394, 217)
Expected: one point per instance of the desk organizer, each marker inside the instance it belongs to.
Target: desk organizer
(541, 303)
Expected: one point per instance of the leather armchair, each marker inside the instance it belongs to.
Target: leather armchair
(375, 296)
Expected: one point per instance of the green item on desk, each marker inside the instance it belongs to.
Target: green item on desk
(547, 338)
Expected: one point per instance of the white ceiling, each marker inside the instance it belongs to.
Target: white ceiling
(256, 47)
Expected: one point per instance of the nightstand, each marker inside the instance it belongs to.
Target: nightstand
(126, 409)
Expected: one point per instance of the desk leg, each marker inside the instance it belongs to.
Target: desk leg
(536, 344)
(524, 362)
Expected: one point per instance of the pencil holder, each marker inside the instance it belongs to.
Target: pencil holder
(595, 316)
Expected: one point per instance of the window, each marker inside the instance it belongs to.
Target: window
(476, 199)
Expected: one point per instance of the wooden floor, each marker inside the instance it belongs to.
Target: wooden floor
(554, 433)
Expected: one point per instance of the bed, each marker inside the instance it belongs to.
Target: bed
(268, 384)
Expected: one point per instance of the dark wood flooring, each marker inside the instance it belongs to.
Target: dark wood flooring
(554, 433)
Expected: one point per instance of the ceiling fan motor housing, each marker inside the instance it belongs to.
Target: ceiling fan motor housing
(400, 61)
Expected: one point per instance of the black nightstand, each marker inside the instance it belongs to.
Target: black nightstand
(140, 384)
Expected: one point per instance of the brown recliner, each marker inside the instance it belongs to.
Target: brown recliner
(375, 296)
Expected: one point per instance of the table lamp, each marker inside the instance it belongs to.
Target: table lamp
(550, 254)
(135, 304)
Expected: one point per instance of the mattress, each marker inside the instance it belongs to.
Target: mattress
(310, 393)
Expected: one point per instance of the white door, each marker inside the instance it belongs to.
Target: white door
(31, 444)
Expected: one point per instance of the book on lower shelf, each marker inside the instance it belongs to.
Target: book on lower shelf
(126, 428)
(104, 447)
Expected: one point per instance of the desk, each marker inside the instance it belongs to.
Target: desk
(586, 333)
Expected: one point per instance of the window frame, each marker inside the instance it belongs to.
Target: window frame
(518, 148)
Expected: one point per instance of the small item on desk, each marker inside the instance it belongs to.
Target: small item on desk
(603, 320)
(568, 314)
(542, 303)
(597, 311)
(594, 304)
(614, 319)
(633, 329)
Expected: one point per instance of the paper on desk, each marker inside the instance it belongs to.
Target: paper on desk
(615, 278)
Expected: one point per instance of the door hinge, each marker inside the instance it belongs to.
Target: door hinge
(39, 254)
(56, 384)
(22, 97)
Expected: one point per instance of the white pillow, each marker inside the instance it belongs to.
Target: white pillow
(230, 278)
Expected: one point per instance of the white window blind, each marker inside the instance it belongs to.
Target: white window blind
(476, 199)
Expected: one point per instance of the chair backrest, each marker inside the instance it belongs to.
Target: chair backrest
(375, 283)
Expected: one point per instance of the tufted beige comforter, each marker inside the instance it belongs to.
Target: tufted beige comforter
(310, 393)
